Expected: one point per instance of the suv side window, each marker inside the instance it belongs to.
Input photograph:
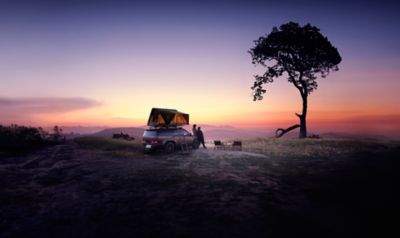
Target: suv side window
(167, 132)
(150, 133)
(175, 133)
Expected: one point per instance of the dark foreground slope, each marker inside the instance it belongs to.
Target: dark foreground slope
(276, 188)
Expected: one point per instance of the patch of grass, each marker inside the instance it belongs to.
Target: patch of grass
(311, 148)
(108, 144)
(292, 158)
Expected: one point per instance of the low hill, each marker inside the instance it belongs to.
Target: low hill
(99, 187)
(131, 131)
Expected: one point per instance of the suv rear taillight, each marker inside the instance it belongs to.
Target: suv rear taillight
(152, 141)
(155, 141)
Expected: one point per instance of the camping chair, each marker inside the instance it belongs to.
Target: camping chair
(237, 145)
(218, 145)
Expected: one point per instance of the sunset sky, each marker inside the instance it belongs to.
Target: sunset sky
(107, 63)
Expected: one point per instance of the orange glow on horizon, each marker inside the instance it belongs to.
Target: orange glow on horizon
(339, 103)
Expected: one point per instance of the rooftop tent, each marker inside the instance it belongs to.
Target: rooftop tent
(160, 117)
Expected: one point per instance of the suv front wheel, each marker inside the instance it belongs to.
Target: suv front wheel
(195, 144)
(169, 147)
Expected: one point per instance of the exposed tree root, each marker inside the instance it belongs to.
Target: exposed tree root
(280, 131)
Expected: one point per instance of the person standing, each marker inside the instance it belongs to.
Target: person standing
(194, 130)
(200, 137)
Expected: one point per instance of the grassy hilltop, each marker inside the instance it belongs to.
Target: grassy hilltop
(278, 187)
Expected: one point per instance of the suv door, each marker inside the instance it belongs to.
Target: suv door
(186, 137)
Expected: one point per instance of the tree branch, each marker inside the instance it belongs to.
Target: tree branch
(294, 81)
(280, 131)
(304, 87)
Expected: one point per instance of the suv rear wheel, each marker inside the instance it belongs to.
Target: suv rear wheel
(169, 147)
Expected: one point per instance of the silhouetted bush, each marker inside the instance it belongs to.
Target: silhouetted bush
(122, 136)
(56, 136)
(17, 139)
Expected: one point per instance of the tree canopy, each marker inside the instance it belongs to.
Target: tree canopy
(301, 52)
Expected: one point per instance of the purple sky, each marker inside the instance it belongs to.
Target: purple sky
(128, 57)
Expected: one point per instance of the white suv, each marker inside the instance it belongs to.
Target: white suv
(168, 139)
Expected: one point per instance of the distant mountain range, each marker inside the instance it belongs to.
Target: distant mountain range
(83, 130)
(210, 132)
(344, 135)
(235, 133)
(218, 132)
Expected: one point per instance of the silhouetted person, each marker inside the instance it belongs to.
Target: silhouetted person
(200, 137)
(194, 130)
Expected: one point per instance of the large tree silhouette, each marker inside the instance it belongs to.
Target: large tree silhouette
(302, 53)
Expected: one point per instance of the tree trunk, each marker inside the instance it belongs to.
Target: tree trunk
(303, 117)
(303, 122)
(301, 85)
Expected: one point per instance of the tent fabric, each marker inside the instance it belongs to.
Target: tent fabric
(161, 117)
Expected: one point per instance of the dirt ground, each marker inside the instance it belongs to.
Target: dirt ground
(71, 191)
